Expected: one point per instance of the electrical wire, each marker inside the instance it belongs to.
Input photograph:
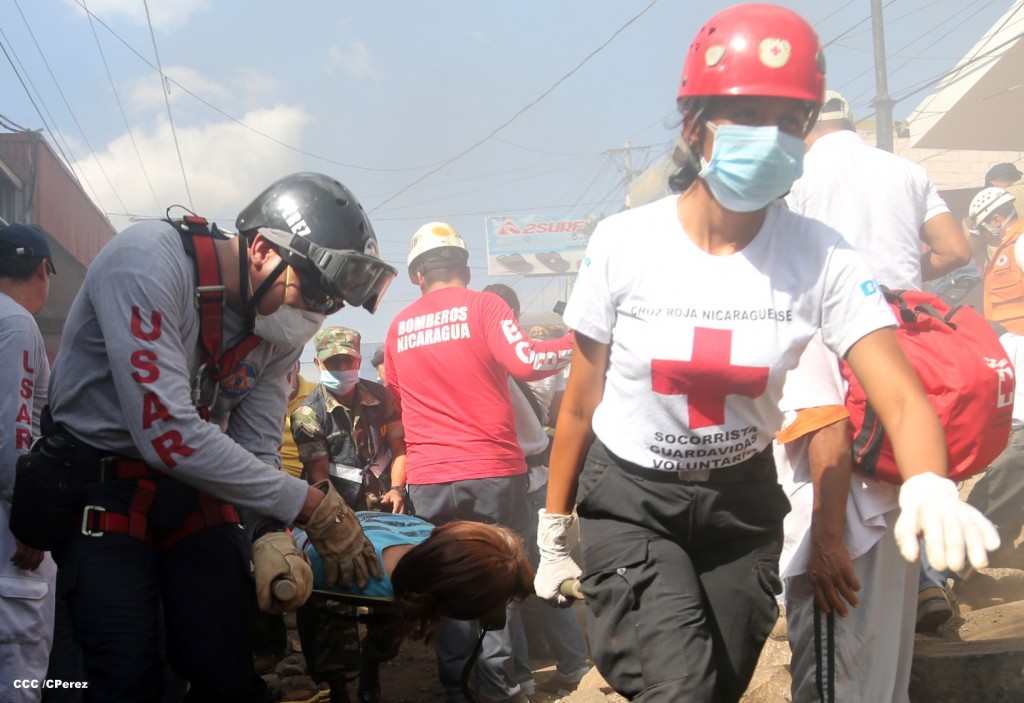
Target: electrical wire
(57, 136)
(913, 90)
(433, 201)
(832, 14)
(522, 110)
(170, 81)
(167, 102)
(926, 33)
(117, 97)
(63, 97)
(853, 27)
(10, 124)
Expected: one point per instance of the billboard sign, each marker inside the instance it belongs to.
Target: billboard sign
(537, 245)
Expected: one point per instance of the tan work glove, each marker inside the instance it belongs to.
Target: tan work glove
(280, 568)
(334, 531)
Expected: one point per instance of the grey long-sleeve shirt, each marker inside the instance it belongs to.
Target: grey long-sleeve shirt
(24, 372)
(121, 381)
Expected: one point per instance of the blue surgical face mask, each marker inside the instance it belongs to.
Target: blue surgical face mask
(751, 166)
(339, 382)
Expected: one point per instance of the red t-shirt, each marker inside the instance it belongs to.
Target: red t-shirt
(448, 357)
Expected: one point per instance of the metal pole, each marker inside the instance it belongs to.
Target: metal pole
(629, 169)
(882, 103)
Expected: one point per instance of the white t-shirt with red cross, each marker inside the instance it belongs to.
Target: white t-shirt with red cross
(700, 344)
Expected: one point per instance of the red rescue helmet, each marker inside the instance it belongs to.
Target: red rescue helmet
(755, 50)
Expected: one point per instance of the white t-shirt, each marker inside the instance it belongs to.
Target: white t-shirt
(700, 344)
(1014, 346)
(817, 382)
(877, 200)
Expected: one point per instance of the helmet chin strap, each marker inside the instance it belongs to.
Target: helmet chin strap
(249, 303)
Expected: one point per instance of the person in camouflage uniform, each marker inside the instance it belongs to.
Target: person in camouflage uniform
(348, 430)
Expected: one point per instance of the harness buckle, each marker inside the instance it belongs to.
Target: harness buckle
(108, 468)
(85, 521)
(209, 294)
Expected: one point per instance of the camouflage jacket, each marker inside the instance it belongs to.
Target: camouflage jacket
(356, 436)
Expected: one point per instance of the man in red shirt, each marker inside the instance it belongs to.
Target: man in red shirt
(448, 357)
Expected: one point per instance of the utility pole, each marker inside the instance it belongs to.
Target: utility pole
(882, 103)
(627, 151)
(629, 170)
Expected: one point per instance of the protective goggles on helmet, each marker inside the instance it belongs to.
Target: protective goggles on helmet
(330, 276)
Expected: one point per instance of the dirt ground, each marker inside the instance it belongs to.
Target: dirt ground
(409, 678)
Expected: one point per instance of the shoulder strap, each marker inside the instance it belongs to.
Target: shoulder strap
(210, 298)
(531, 399)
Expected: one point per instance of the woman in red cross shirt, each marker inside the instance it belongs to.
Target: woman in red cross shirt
(688, 313)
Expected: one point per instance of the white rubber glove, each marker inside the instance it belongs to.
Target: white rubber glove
(557, 535)
(275, 558)
(930, 506)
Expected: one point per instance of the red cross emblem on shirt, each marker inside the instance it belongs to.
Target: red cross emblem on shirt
(708, 377)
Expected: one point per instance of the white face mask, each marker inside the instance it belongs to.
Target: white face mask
(340, 382)
(288, 327)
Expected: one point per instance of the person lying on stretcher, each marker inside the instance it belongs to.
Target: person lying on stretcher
(460, 570)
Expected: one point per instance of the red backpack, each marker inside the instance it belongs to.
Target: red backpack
(965, 372)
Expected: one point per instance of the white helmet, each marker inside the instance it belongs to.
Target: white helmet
(440, 238)
(987, 202)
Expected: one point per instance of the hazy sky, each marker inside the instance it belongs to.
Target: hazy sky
(499, 107)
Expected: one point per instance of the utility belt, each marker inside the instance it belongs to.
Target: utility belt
(50, 495)
(97, 520)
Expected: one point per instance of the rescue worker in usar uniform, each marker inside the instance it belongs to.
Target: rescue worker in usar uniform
(175, 324)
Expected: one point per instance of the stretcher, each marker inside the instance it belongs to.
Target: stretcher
(370, 608)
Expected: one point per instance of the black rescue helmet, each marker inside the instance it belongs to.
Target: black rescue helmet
(323, 231)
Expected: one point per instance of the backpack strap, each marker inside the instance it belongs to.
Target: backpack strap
(531, 399)
(210, 298)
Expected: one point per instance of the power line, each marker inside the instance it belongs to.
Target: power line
(10, 124)
(514, 117)
(120, 107)
(57, 136)
(926, 33)
(852, 27)
(74, 118)
(170, 81)
(973, 9)
(409, 218)
(971, 63)
(833, 13)
(167, 102)
(959, 71)
(433, 202)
